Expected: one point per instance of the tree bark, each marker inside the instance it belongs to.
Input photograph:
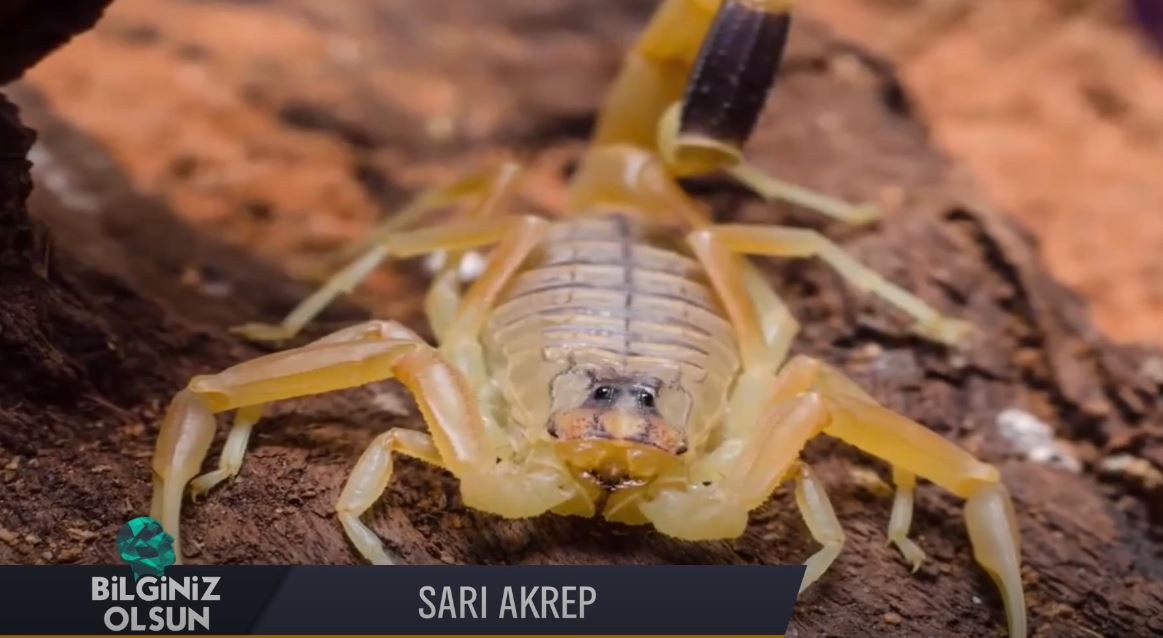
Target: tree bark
(96, 334)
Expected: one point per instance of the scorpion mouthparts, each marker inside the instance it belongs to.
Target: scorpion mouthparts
(615, 460)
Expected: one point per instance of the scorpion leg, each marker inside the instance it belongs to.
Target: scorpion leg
(525, 491)
(490, 188)
(351, 357)
(902, 517)
(247, 417)
(774, 189)
(233, 451)
(735, 284)
(855, 418)
(189, 424)
(814, 506)
(539, 484)
(810, 398)
(391, 240)
(368, 481)
(782, 241)
(442, 301)
(742, 473)
(738, 475)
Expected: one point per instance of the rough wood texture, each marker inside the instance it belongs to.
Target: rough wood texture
(95, 335)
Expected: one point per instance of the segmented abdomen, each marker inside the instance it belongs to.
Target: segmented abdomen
(602, 290)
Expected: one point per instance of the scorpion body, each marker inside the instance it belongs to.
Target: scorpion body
(621, 357)
(604, 307)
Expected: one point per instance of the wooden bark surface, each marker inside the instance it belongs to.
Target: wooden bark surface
(100, 325)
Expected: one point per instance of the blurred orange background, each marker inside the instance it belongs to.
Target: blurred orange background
(1056, 106)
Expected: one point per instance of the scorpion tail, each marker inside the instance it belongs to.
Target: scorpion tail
(728, 87)
(688, 96)
(718, 58)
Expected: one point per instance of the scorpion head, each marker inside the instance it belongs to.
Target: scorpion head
(614, 428)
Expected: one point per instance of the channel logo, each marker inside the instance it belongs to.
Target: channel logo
(153, 601)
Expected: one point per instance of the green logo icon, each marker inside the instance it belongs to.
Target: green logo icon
(147, 547)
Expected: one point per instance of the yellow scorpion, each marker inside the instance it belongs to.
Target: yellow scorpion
(621, 357)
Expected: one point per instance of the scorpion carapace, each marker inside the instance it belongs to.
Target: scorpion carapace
(634, 352)
(622, 357)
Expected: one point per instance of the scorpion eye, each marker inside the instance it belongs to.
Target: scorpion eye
(645, 398)
(603, 393)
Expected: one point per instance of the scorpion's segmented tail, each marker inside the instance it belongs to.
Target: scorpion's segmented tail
(734, 71)
(686, 100)
(718, 58)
